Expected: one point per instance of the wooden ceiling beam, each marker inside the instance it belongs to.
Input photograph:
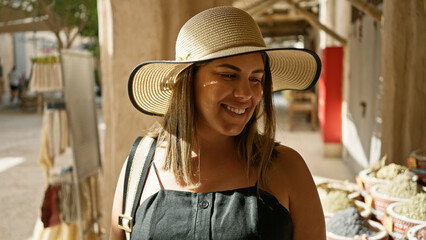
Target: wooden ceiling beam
(279, 29)
(8, 13)
(261, 8)
(246, 4)
(282, 31)
(368, 8)
(279, 18)
(313, 20)
(25, 27)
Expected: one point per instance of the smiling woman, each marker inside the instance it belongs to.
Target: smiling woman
(210, 170)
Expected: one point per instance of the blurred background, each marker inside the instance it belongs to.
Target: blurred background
(67, 125)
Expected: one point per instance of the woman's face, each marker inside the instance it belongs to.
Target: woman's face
(227, 92)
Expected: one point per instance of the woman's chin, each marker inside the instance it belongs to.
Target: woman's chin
(233, 132)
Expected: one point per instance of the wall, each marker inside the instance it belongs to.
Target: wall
(385, 93)
(404, 78)
(131, 33)
(361, 94)
(335, 15)
(361, 109)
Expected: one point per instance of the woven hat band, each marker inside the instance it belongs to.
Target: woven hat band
(205, 34)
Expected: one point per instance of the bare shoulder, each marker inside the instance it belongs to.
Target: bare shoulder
(288, 166)
(291, 182)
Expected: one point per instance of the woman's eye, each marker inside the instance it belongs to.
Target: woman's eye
(228, 76)
(256, 80)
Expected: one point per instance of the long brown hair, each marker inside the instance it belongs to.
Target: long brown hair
(255, 145)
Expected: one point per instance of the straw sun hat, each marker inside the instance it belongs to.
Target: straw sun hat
(216, 33)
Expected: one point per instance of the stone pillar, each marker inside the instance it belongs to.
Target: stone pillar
(404, 78)
(131, 32)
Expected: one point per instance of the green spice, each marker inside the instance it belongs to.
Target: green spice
(336, 200)
(415, 208)
(401, 187)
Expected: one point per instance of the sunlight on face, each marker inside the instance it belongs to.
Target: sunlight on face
(227, 91)
(210, 83)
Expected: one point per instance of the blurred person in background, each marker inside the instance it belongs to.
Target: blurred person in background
(15, 79)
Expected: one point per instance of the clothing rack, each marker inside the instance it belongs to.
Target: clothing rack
(77, 100)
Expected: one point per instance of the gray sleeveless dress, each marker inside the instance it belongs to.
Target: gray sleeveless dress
(244, 213)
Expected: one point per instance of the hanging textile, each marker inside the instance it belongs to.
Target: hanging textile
(91, 210)
(50, 207)
(52, 224)
(66, 226)
(67, 199)
(46, 75)
(54, 137)
(64, 141)
(62, 231)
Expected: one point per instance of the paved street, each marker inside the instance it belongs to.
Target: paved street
(22, 180)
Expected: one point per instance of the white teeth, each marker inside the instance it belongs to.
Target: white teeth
(236, 110)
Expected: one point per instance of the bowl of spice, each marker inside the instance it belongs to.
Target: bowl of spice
(337, 200)
(348, 223)
(400, 189)
(417, 164)
(417, 159)
(416, 233)
(379, 173)
(352, 190)
(401, 216)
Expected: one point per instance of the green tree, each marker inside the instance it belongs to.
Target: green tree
(72, 17)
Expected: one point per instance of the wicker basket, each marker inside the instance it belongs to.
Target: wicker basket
(412, 232)
(381, 233)
(367, 182)
(397, 224)
(381, 201)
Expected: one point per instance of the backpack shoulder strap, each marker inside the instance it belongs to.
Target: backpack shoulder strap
(138, 163)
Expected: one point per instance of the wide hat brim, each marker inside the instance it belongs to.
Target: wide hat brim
(291, 69)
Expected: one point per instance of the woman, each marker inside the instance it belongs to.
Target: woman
(212, 170)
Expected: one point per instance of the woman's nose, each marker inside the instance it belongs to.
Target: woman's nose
(243, 89)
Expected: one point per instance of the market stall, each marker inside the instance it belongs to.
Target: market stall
(71, 208)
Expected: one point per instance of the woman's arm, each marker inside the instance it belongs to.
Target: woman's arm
(116, 233)
(292, 184)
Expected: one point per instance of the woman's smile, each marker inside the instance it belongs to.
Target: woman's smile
(238, 111)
